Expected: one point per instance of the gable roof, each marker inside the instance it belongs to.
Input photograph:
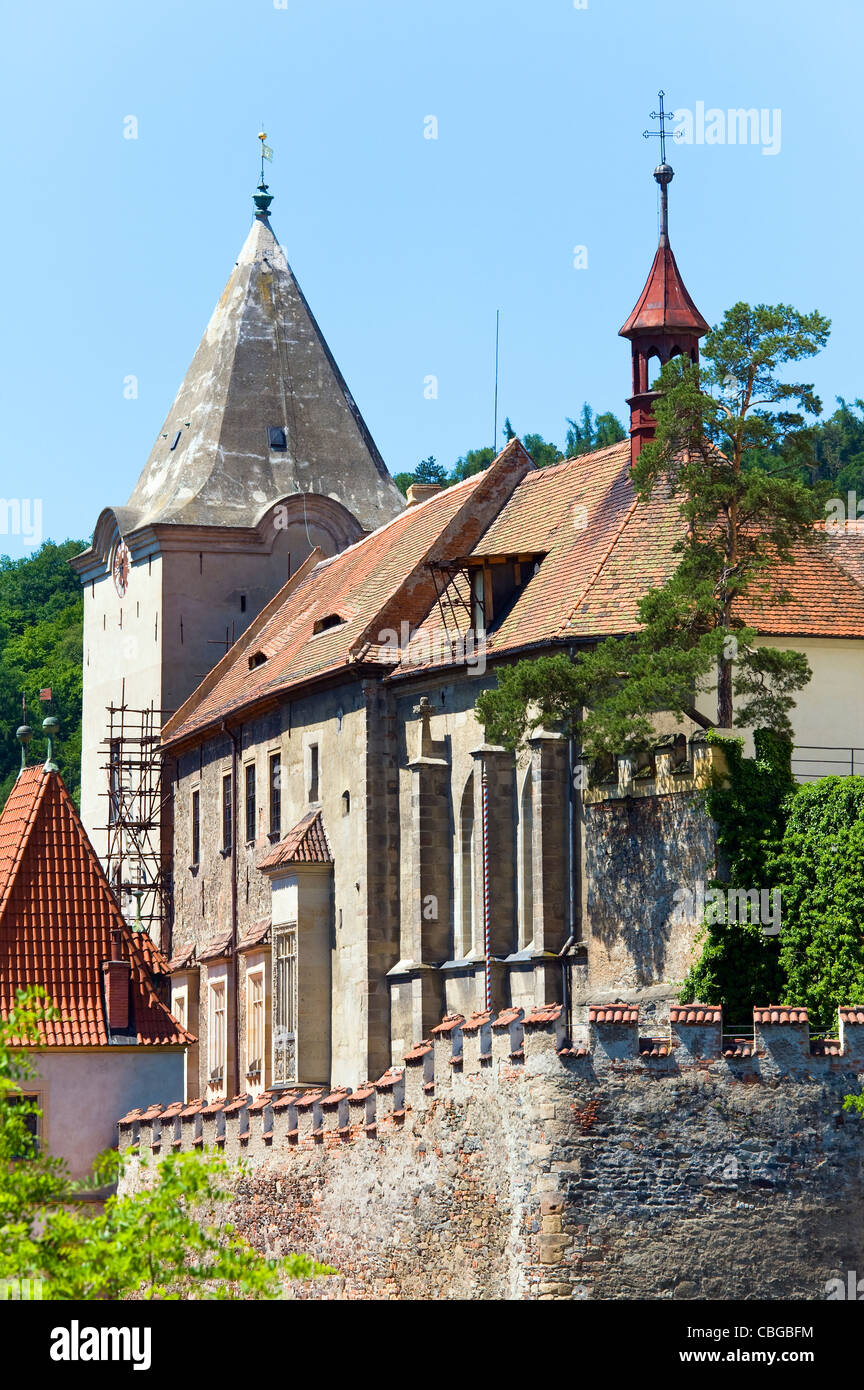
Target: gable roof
(604, 549)
(384, 580)
(306, 843)
(57, 913)
(262, 362)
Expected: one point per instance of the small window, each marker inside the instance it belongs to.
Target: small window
(196, 827)
(314, 770)
(176, 440)
(331, 620)
(250, 803)
(29, 1102)
(346, 803)
(257, 659)
(242, 603)
(275, 788)
(227, 813)
(276, 438)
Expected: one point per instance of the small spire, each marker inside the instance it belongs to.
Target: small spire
(49, 728)
(261, 198)
(24, 735)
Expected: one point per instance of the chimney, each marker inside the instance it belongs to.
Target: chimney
(116, 973)
(418, 492)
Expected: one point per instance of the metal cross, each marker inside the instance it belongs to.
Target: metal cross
(662, 116)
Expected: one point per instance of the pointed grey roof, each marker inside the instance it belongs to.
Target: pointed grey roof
(262, 362)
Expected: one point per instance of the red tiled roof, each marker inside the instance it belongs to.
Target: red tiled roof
(377, 584)
(780, 1013)
(57, 913)
(305, 844)
(613, 1013)
(217, 946)
(258, 935)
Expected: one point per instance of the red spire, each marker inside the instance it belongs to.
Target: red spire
(665, 323)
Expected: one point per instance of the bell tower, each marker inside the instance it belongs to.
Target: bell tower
(665, 322)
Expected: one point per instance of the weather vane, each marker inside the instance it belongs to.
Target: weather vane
(261, 198)
(662, 116)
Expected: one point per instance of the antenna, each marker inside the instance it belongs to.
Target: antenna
(495, 413)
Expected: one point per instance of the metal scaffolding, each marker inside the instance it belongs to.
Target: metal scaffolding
(139, 796)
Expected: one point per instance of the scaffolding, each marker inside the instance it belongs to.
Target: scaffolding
(139, 797)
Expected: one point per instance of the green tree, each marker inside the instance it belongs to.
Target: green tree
(158, 1242)
(737, 523)
(592, 432)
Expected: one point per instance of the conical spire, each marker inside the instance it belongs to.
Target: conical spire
(263, 411)
(665, 322)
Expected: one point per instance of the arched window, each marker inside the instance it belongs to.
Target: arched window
(526, 861)
(654, 369)
(465, 874)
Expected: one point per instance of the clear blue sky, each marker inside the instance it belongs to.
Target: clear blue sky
(115, 251)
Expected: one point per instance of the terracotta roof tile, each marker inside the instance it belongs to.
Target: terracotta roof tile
(307, 843)
(703, 1014)
(258, 935)
(57, 913)
(852, 1013)
(613, 1013)
(217, 947)
(448, 1023)
(780, 1014)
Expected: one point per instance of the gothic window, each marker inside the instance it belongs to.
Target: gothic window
(284, 1003)
(526, 862)
(314, 769)
(465, 923)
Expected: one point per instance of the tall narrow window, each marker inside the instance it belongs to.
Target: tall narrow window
(466, 871)
(275, 785)
(285, 1004)
(313, 772)
(196, 827)
(478, 601)
(526, 866)
(255, 1022)
(114, 781)
(216, 1033)
(227, 813)
(250, 802)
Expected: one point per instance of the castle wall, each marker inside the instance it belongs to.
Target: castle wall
(506, 1162)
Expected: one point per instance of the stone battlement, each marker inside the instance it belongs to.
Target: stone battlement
(779, 1045)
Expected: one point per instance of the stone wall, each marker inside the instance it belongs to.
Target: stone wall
(507, 1161)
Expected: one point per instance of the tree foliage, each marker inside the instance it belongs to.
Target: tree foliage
(160, 1242)
(41, 616)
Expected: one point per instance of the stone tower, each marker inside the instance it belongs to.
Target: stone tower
(262, 456)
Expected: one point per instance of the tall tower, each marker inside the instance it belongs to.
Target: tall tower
(665, 322)
(262, 456)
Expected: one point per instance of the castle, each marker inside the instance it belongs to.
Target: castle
(349, 859)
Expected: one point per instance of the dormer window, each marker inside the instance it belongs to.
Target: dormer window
(276, 438)
(331, 620)
(257, 659)
(496, 583)
(176, 440)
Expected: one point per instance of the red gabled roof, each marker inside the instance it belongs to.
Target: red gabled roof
(57, 913)
(664, 302)
(374, 586)
(306, 844)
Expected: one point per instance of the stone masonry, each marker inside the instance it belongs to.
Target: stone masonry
(505, 1161)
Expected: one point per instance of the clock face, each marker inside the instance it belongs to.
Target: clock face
(120, 568)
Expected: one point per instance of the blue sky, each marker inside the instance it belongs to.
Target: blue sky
(115, 250)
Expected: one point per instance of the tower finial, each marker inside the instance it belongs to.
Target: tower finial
(664, 173)
(50, 727)
(261, 198)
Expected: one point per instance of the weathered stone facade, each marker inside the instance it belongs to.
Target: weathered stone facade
(504, 1162)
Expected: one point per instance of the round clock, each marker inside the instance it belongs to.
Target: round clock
(120, 568)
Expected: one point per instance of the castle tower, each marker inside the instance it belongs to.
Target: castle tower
(262, 456)
(665, 322)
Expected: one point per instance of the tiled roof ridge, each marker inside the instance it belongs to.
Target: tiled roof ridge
(506, 1047)
(300, 837)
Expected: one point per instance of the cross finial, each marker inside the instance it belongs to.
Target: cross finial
(664, 172)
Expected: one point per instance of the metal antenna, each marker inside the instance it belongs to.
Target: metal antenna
(495, 414)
